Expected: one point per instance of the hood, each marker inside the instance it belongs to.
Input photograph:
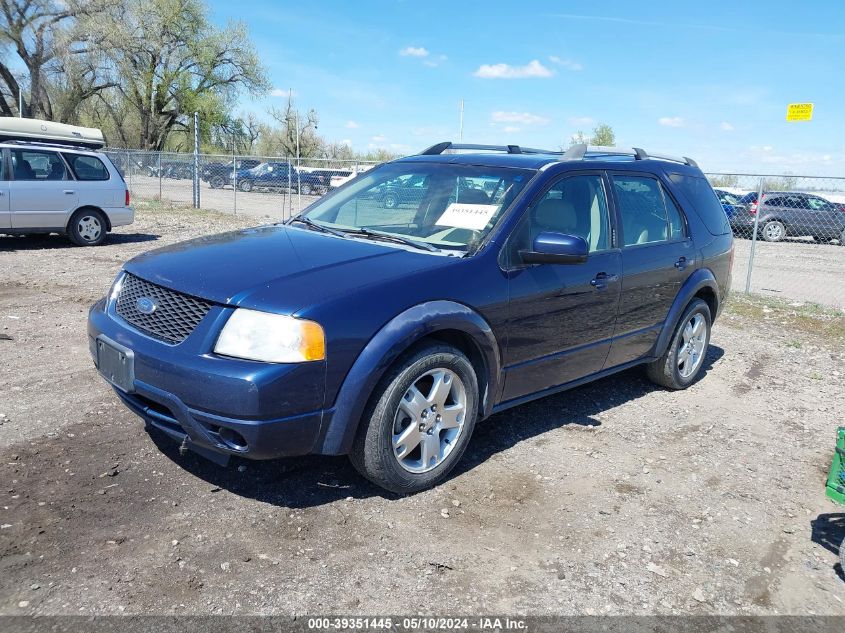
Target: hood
(276, 268)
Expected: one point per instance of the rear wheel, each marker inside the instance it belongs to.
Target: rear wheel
(216, 182)
(245, 185)
(419, 421)
(682, 361)
(774, 231)
(87, 227)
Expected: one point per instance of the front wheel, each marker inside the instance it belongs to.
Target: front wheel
(87, 227)
(216, 182)
(245, 186)
(682, 361)
(419, 421)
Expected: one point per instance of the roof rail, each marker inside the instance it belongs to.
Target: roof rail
(439, 148)
(580, 151)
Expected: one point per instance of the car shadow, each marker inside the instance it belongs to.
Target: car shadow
(828, 530)
(316, 480)
(53, 241)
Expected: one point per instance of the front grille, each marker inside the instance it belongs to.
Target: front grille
(174, 317)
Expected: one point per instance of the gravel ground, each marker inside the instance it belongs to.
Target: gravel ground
(616, 497)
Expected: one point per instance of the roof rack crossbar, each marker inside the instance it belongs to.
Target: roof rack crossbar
(580, 151)
(439, 148)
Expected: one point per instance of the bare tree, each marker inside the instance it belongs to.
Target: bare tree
(295, 123)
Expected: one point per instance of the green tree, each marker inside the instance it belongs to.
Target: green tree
(169, 62)
(603, 136)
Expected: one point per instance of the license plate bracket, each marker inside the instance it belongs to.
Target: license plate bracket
(116, 364)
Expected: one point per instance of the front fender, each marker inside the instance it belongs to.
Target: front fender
(701, 278)
(385, 347)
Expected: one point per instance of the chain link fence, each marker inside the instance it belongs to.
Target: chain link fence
(790, 235)
(266, 187)
(790, 230)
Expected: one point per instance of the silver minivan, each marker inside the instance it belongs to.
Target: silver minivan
(50, 183)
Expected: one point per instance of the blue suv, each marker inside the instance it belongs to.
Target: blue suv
(388, 333)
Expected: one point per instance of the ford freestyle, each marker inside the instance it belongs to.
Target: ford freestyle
(388, 333)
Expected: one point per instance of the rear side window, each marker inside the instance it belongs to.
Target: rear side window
(87, 167)
(648, 214)
(703, 199)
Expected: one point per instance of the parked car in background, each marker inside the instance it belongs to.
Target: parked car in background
(218, 174)
(279, 175)
(337, 181)
(52, 181)
(729, 201)
(175, 168)
(783, 214)
(386, 334)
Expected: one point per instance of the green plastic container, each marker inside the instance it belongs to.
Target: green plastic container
(835, 488)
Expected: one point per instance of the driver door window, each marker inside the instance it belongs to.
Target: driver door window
(576, 205)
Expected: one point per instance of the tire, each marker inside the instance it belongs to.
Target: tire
(773, 231)
(87, 227)
(842, 238)
(216, 182)
(245, 186)
(666, 371)
(393, 412)
(390, 201)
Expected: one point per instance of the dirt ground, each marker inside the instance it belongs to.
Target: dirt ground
(616, 497)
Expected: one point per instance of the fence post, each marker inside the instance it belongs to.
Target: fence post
(754, 237)
(235, 180)
(159, 177)
(290, 196)
(196, 160)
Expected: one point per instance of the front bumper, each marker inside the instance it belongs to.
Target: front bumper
(214, 405)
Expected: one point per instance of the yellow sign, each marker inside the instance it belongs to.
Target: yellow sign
(799, 112)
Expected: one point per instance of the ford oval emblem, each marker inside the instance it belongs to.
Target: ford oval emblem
(145, 305)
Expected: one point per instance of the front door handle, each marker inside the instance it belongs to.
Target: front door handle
(602, 279)
(69, 192)
(682, 263)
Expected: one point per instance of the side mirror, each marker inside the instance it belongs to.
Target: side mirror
(556, 248)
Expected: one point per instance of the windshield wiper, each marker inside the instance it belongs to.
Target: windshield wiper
(317, 227)
(392, 237)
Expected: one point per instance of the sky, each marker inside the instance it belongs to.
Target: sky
(710, 80)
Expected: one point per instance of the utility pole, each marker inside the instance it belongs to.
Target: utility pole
(461, 135)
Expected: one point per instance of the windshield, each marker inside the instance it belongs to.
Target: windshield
(445, 206)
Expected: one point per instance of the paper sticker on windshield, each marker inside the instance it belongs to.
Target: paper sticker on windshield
(467, 216)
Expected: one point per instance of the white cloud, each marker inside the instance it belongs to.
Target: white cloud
(526, 118)
(435, 61)
(352, 125)
(510, 129)
(283, 92)
(581, 120)
(671, 121)
(569, 64)
(414, 51)
(380, 138)
(505, 71)
(727, 127)
(347, 142)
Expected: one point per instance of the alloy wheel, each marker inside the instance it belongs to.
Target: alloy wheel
(691, 345)
(429, 420)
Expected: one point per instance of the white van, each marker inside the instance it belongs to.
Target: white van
(52, 180)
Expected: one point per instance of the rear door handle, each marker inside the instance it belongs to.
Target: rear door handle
(69, 192)
(602, 279)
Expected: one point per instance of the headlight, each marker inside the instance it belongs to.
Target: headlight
(273, 338)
